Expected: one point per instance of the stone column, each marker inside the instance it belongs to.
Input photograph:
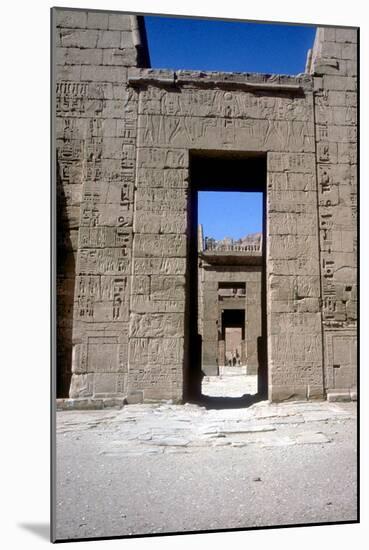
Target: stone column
(253, 324)
(210, 329)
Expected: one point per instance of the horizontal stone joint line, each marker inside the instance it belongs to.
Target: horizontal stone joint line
(144, 81)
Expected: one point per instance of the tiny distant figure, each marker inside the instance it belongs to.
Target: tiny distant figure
(234, 360)
(238, 359)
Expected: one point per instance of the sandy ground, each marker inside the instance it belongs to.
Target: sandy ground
(230, 386)
(165, 468)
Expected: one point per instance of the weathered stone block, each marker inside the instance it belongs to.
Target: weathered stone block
(145, 245)
(338, 395)
(120, 22)
(96, 20)
(163, 393)
(210, 333)
(108, 39)
(329, 65)
(331, 49)
(336, 115)
(103, 74)
(340, 83)
(78, 56)
(298, 202)
(125, 57)
(164, 287)
(156, 266)
(351, 67)
(141, 285)
(126, 40)
(141, 303)
(134, 397)
(153, 157)
(327, 34)
(315, 392)
(346, 35)
(161, 325)
(287, 392)
(165, 351)
(291, 246)
(81, 385)
(116, 109)
(161, 200)
(79, 404)
(291, 162)
(289, 323)
(79, 39)
(68, 72)
(353, 395)
(349, 51)
(70, 18)
(169, 178)
(160, 222)
(105, 384)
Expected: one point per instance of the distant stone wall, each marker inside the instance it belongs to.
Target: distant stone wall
(213, 276)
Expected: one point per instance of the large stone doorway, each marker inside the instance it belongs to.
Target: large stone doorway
(227, 291)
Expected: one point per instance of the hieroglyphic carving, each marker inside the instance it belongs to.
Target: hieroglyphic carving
(71, 97)
(119, 296)
(87, 292)
(222, 104)
(332, 197)
(93, 159)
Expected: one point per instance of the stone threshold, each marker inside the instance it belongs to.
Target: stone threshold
(98, 403)
(90, 403)
(341, 395)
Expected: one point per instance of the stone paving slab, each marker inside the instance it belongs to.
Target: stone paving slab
(168, 425)
(169, 468)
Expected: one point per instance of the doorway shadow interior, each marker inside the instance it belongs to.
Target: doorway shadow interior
(233, 171)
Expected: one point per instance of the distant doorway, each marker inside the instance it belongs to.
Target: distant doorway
(232, 352)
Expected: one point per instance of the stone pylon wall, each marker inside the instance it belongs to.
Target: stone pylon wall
(96, 118)
(124, 136)
(334, 65)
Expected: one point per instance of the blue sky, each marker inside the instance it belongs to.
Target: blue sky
(230, 214)
(212, 45)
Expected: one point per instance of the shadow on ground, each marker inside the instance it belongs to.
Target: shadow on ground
(40, 529)
(215, 402)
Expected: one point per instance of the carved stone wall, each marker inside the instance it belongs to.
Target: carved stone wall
(256, 113)
(96, 118)
(334, 65)
(124, 137)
